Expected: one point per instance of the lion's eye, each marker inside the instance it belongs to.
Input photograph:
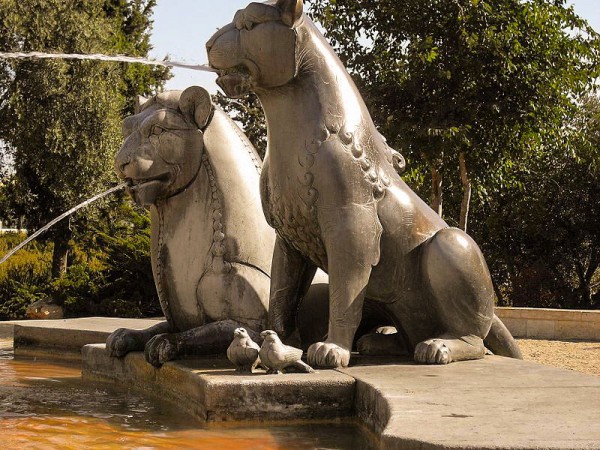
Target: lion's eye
(156, 130)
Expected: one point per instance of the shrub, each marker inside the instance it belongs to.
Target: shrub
(109, 270)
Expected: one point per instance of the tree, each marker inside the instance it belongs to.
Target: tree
(542, 235)
(61, 119)
(132, 20)
(464, 83)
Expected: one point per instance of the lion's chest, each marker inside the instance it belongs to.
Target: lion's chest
(293, 212)
(180, 253)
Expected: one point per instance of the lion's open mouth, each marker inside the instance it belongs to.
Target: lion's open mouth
(235, 81)
(240, 69)
(135, 183)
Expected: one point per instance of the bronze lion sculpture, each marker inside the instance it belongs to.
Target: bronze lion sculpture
(187, 161)
(331, 189)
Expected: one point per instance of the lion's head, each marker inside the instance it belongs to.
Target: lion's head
(257, 50)
(163, 144)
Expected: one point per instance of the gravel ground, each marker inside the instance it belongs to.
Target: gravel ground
(580, 356)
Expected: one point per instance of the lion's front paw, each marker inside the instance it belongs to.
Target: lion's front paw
(160, 349)
(122, 341)
(328, 355)
(433, 351)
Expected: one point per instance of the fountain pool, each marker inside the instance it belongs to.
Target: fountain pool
(44, 404)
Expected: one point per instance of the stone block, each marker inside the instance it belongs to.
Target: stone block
(489, 404)
(516, 326)
(550, 314)
(64, 338)
(540, 329)
(506, 312)
(493, 403)
(591, 316)
(210, 389)
(568, 329)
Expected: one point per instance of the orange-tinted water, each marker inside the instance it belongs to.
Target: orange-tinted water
(44, 405)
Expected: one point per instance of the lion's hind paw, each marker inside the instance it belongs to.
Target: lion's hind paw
(433, 351)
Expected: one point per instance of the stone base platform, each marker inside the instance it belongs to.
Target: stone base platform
(210, 389)
(494, 403)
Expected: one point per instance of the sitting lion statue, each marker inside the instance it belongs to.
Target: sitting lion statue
(330, 187)
(187, 161)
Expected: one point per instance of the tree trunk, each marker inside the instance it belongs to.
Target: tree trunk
(466, 200)
(436, 191)
(585, 276)
(61, 252)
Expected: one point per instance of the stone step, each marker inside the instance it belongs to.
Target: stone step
(210, 389)
(64, 338)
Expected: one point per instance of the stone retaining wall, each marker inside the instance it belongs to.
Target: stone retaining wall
(540, 323)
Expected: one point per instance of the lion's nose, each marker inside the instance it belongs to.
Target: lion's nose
(121, 162)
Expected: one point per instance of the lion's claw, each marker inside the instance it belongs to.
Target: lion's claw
(160, 349)
(432, 351)
(122, 341)
(328, 355)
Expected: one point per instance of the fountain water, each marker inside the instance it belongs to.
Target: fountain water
(101, 57)
(59, 218)
(92, 57)
(46, 404)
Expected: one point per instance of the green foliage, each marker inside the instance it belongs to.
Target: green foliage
(60, 123)
(132, 21)
(495, 80)
(109, 275)
(542, 234)
(122, 234)
(23, 277)
(62, 119)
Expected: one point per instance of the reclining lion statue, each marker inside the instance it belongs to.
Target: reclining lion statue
(187, 161)
(330, 187)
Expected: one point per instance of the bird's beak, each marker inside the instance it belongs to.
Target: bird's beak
(263, 334)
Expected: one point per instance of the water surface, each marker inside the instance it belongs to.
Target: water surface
(45, 405)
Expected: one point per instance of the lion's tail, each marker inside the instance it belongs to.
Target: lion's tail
(501, 342)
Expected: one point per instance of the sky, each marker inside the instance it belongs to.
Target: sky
(182, 27)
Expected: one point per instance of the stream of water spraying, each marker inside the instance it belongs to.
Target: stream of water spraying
(59, 218)
(93, 57)
(101, 57)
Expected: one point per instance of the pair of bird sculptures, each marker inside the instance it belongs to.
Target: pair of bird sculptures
(275, 356)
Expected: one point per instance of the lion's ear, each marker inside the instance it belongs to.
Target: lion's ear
(291, 11)
(138, 103)
(196, 105)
